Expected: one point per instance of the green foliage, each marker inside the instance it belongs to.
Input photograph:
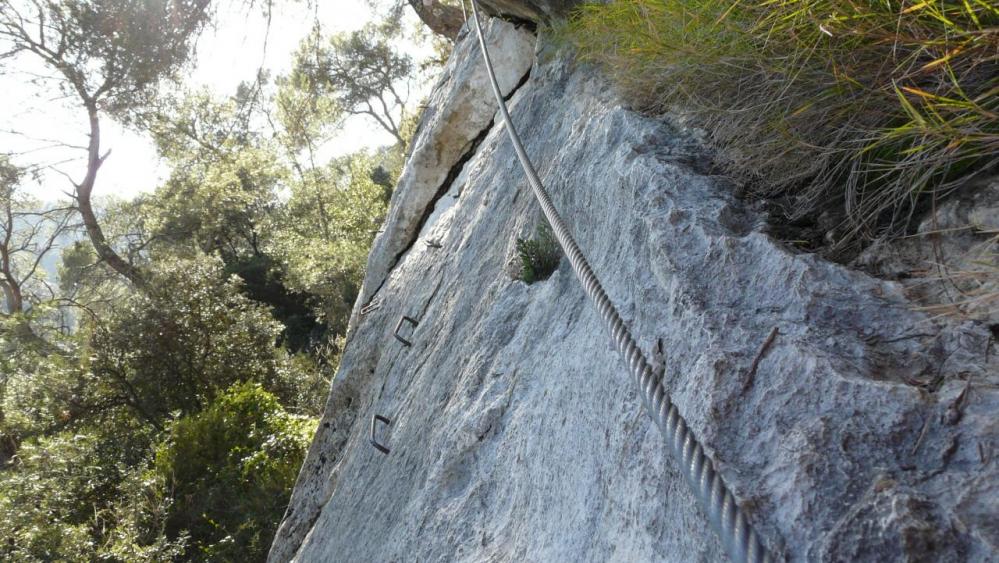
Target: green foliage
(324, 231)
(113, 51)
(871, 104)
(361, 71)
(59, 500)
(120, 441)
(222, 207)
(264, 282)
(198, 128)
(136, 523)
(217, 206)
(224, 181)
(539, 256)
(39, 392)
(10, 175)
(221, 199)
(175, 347)
(231, 469)
(307, 118)
(295, 231)
(43, 509)
(76, 435)
(76, 260)
(28, 233)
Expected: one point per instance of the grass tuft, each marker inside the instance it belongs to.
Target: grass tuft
(872, 105)
(539, 256)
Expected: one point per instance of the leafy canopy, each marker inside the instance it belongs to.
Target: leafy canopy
(115, 51)
(361, 71)
(177, 346)
(231, 468)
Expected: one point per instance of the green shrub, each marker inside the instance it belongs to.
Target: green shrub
(136, 523)
(872, 104)
(191, 335)
(44, 510)
(37, 393)
(539, 256)
(230, 470)
(65, 497)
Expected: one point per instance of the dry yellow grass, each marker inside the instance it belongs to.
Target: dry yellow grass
(871, 105)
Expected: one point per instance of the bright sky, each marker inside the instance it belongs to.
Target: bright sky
(33, 119)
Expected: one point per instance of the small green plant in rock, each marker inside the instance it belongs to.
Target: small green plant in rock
(539, 256)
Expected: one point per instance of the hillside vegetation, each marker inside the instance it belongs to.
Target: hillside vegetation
(158, 395)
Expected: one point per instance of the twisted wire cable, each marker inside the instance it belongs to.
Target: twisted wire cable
(738, 536)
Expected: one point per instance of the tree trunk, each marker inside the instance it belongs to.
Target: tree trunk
(440, 18)
(83, 199)
(11, 298)
(8, 283)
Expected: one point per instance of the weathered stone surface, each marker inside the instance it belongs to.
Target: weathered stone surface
(458, 112)
(532, 10)
(867, 433)
(951, 264)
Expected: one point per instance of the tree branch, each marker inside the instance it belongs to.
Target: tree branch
(84, 191)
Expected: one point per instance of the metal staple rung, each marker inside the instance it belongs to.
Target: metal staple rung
(398, 327)
(739, 538)
(374, 441)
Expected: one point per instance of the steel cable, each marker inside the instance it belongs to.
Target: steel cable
(738, 536)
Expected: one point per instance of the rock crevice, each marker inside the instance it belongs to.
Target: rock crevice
(458, 114)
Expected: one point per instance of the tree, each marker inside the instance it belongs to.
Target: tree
(115, 447)
(85, 284)
(222, 195)
(225, 175)
(49, 496)
(110, 55)
(230, 469)
(28, 233)
(329, 262)
(361, 71)
(174, 347)
(82, 495)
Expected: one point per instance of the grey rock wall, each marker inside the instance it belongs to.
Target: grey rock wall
(459, 111)
(950, 264)
(531, 10)
(868, 431)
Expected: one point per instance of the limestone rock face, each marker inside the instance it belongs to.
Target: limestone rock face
(867, 432)
(460, 110)
(950, 263)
